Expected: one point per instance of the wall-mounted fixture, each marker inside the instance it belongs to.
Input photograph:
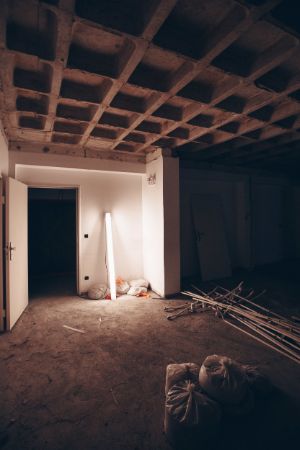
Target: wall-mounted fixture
(151, 179)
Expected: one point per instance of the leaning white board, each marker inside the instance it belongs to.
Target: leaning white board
(211, 239)
(16, 246)
(268, 223)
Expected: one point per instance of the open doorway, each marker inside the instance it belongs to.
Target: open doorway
(52, 241)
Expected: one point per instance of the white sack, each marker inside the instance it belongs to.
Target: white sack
(189, 406)
(223, 379)
(139, 283)
(136, 290)
(180, 372)
(97, 291)
(122, 287)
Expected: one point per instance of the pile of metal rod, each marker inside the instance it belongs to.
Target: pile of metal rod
(241, 312)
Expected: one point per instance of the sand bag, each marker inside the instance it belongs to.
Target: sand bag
(258, 382)
(97, 291)
(137, 291)
(224, 380)
(139, 283)
(180, 372)
(122, 286)
(191, 417)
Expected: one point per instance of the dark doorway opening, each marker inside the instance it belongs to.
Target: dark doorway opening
(52, 252)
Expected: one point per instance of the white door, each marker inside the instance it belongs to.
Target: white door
(211, 237)
(16, 246)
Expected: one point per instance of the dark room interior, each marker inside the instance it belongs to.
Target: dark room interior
(149, 224)
(51, 239)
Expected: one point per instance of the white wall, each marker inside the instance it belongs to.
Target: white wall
(171, 225)
(153, 227)
(161, 224)
(121, 194)
(3, 153)
(37, 158)
(145, 217)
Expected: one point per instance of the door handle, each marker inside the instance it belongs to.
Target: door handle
(9, 249)
(200, 235)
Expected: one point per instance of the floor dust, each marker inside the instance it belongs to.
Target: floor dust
(104, 389)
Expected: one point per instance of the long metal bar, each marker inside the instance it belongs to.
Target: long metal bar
(262, 341)
(258, 317)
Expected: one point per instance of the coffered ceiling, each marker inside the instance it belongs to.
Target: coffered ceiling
(215, 81)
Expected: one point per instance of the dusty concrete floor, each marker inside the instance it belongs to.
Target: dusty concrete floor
(105, 389)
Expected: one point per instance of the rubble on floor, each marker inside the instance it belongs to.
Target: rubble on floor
(241, 312)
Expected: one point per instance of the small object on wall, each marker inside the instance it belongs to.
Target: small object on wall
(151, 179)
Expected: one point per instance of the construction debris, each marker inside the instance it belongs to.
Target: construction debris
(114, 397)
(241, 312)
(74, 329)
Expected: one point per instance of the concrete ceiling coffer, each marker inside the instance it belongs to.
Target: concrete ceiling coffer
(215, 81)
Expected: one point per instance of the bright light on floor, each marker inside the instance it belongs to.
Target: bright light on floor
(110, 256)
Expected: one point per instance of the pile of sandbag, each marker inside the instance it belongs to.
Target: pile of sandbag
(134, 287)
(197, 397)
(137, 288)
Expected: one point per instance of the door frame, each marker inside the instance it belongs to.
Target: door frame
(78, 228)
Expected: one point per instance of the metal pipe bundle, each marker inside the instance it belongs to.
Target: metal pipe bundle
(241, 312)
